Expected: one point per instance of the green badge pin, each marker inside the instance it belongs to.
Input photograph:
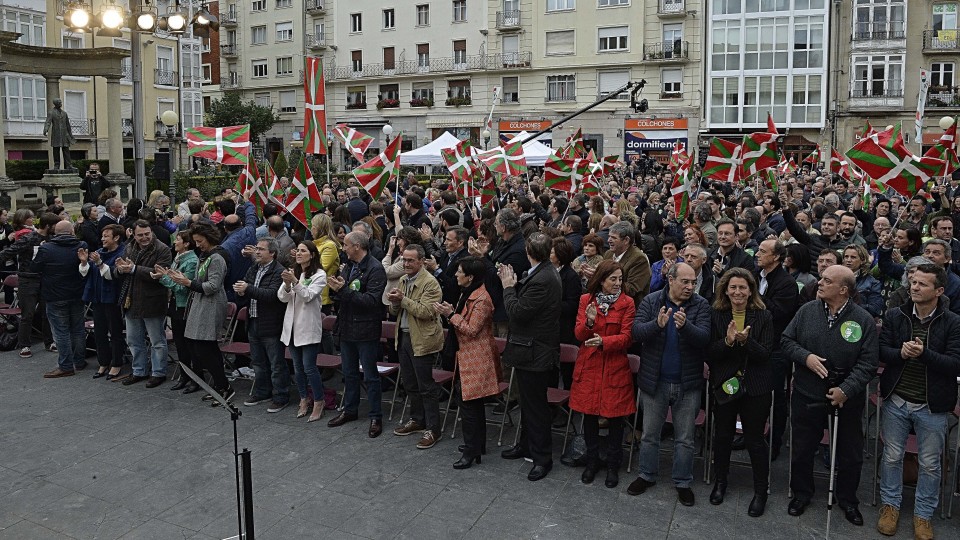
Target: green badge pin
(355, 285)
(851, 331)
(731, 386)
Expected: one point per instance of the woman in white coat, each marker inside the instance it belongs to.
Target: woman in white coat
(302, 328)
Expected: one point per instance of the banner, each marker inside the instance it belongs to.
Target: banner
(921, 102)
(646, 135)
(508, 129)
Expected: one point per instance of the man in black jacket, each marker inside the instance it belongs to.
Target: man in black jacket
(359, 291)
(264, 325)
(61, 287)
(509, 251)
(728, 254)
(920, 345)
(782, 297)
(445, 266)
(533, 349)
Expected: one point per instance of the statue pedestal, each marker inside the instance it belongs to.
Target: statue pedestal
(8, 190)
(63, 184)
(123, 184)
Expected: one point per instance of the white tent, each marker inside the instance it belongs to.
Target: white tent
(429, 154)
(535, 152)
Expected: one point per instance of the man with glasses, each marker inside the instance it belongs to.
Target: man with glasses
(673, 325)
(942, 227)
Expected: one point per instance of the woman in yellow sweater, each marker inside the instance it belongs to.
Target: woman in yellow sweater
(329, 247)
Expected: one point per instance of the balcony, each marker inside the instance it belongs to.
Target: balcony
(229, 18)
(878, 91)
(941, 42)
(485, 62)
(232, 81)
(666, 51)
(83, 127)
(314, 7)
(163, 77)
(228, 50)
(315, 42)
(879, 31)
(876, 95)
(508, 20)
(670, 9)
(943, 97)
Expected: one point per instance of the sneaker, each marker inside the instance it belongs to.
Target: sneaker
(887, 524)
(409, 428)
(52, 347)
(427, 441)
(276, 407)
(922, 528)
(26, 352)
(253, 401)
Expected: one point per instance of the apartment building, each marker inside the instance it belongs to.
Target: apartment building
(880, 67)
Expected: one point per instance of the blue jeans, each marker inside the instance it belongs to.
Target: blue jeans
(66, 323)
(931, 431)
(353, 354)
(305, 370)
(685, 406)
(137, 332)
(270, 373)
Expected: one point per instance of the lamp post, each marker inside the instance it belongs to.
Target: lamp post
(387, 131)
(486, 138)
(170, 119)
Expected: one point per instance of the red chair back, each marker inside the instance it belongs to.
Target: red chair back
(242, 316)
(388, 330)
(634, 363)
(12, 281)
(568, 353)
(329, 321)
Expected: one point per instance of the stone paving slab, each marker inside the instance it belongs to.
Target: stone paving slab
(89, 459)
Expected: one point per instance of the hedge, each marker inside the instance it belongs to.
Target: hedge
(33, 169)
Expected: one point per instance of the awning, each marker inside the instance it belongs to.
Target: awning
(455, 120)
(360, 123)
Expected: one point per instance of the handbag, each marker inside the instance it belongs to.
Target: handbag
(731, 389)
(450, 346)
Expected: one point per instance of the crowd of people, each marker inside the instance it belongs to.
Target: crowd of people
(788, 301)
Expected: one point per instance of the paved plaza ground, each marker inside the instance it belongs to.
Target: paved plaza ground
(89, 459)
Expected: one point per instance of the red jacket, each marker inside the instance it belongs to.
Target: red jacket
(602, 381)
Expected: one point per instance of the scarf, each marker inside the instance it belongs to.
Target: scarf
(465, 293)
(604, 301)
(138, 255)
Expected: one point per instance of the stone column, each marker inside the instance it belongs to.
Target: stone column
(53, 92)
(114, 126)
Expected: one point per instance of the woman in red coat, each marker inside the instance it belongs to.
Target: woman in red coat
(602, 381)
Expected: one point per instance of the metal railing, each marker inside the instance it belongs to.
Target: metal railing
(163, 77)
(671, 7)
(941, 40)
(565, 97)
(666, 51)
(886, 91)
(315, 41)
(864, 31)
(512, 60)
(946, 98)
(313, 6)
(127, 127)
(231, 81)
(83, 127)
(508, 19)
(228, 18)
(228, 49)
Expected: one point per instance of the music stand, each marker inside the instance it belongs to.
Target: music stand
(245, 529)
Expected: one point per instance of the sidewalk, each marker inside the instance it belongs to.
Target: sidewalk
(90, 459)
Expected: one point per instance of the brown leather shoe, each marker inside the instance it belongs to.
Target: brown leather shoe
(57, 373)
(341, 419)
(376, 428)
(922, 528)
(887, 523)
(154, 382)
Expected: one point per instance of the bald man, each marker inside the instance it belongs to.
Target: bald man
(61, 287)
(834, 345)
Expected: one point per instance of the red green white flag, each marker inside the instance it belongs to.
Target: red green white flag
(314, 107)
(723, 161)
(813, 158)
(564, 174)
(946, 149)
(375, 174)
(507, 159)
(488, 186)
(787, 167)
(250, 185)
(354, 141)
(573, 146)
(760, 150)
(609, 164)
(459, 161)
(273, 189)
(771, 180)
(677, 155)
(304, 197)
(681, 188)
(885, 158)
(227, 145)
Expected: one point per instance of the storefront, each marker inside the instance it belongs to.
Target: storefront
(655, 138)
(508, 129)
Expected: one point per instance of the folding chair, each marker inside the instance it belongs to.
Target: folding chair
(12, 310)
(12, 281)
(236, 348)
(386, 370)
(329, 361)
(557, 397)
(634, 369)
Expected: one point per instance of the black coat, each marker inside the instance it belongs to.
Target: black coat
(782, 299)
(569, 304)
(506, 252)
(90, 233)
(725, 361)
(446, 268)
(737, 258)
(533, 306)
(358, 210)
(270, 310)
(941, 354)
(59, 268)
(360, 307)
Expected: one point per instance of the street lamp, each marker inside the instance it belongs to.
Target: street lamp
(170, 119)
(387, 131)
(946, 122)
(486, 138)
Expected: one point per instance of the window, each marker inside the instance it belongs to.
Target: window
(232, 37)
(613, 38)
(941, 75)
(767, 43)
(808, 4)
(356, 22)
(389, 19)
(205, 45)
(944, 17)
(284, 4)
(511, 50)
(725, 54)
(258, 35)
(561, 42)
(608, 81)
(511, 90)
(389, 91)
(459, 10)
(356, 61)
(191, 107)
(164, 59)
(877, 76)
(561, 88)
(389, 58)
(808, 42)
(763, 94)
(163, 105)
(285, 31)
(766, 6)
(460, 53)
(879, 19)
(613, 3)
(259, 68)
(262, 99)
(357, 96)
(671, 83)
(724, 100)
(31, 26)
(72, 41)
(807, 97)
(423, 15)
(459, 88)
(318, 31)
(285, 66)
(126, 63)
(672, 40)
(288, 101)
(726, 7)
(423, 56)
(26, 98)
(206, 71)
(423, 91)
(258, 5)
(560, 5)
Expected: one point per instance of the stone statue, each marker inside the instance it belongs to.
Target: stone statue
(60, 133)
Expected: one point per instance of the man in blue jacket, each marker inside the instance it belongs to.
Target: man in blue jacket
(239, 234)
(673, 326)
(61, 287)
